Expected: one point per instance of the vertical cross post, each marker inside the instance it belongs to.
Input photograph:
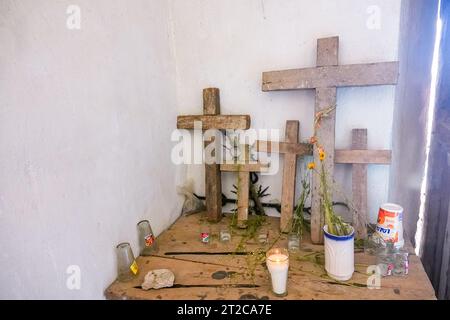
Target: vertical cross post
(213, 185)
(243, 188)
(327, 55)
(289, 177)
(243, 197)
(359, 185)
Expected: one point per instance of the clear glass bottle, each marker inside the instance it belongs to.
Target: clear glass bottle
(127, 267)
(147, 240)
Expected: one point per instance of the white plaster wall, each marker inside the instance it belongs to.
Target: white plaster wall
(228, 44)
(85, 122)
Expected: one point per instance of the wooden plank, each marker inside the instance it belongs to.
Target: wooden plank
(213, 181)
(194, 273)
(213, 192)
(352, 75)
(243, 193)
(359, 186)
(325, 98)
(245, 167)
(289, 175)
(244, 156)
(211, 101)
(299, 149)
(363, 156)
(327, 52)
(220, 122)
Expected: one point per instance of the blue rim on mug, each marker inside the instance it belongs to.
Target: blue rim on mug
(338, 238)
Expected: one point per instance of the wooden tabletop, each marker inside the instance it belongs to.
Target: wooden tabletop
(214, 271)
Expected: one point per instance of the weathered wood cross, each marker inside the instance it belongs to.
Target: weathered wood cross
(211, 119)
(359, 157)
(325, 78)
(291, 149)
(243, 168)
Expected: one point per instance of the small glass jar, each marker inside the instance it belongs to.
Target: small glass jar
(386, 260)
(263, 236)
(147, 240)
(293, 242)
(205, 233)
(127, 267)
(401, 263)
(225, 235)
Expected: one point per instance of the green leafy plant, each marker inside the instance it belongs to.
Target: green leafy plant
(335, 223)
(298, 221)
(253, 224)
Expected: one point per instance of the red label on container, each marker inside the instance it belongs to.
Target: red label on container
(388, 225)
(149, 240)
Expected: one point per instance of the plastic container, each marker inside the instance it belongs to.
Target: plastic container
(390, 224)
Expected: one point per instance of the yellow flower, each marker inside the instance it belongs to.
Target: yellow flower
(321, 154)
(311, 165)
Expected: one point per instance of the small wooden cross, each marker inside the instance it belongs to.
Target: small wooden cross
(359, 157)
(243, 168)
(211, 119)
(325, 78)
(291, 149)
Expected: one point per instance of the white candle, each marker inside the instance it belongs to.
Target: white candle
(277, 262)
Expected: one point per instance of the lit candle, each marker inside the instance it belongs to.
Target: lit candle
(277, 261)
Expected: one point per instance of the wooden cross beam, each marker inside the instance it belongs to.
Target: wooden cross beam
(243, 169)
(325, 78)
(212, 119)
(359, 157)
(291, 148)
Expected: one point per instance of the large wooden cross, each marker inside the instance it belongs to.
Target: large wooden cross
(211, 119)
(325, 78)
(359, 157)
(291, 149)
